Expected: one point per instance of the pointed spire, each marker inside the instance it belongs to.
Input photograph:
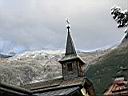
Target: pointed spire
(70, 49)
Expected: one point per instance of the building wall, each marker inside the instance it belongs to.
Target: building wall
(80, 68)
(70, 74)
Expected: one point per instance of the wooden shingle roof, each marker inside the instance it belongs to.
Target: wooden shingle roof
(11, 89)
(72, 57)
(54, 84)
(59, 92)
(58, 87)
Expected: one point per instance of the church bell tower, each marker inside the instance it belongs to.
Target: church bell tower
(72, 64)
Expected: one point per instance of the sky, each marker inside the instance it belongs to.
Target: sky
(40, 24)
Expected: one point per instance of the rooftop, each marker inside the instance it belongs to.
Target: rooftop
(119, 86)
(54, 84)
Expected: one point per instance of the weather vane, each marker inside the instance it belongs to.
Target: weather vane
(68, 24)
(67, 21)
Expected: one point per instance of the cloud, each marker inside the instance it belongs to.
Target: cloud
(37, 24)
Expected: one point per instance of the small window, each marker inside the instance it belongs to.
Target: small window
(69, 65)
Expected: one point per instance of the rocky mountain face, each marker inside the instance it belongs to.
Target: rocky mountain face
(37, 66)
(28, 67)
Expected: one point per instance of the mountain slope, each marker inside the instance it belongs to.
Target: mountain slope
(33, 66)
(30, 67)
(103, 72)
(5, 56)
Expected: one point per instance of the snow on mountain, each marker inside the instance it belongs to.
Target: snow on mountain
(36, 54)
(34, 66)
